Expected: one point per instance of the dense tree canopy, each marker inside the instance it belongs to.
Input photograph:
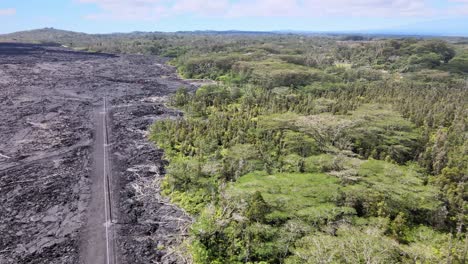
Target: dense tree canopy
(326, 151)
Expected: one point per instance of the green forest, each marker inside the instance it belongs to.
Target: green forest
(312, 148)
(320, 150)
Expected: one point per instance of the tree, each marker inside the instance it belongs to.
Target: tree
(454, 187)
(426, 60)
(398, 227)
(181, 97)
(257, 208)
(441, 48)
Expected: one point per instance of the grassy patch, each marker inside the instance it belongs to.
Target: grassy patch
(309, 197)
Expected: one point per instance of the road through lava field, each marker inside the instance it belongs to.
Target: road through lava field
(56, 169)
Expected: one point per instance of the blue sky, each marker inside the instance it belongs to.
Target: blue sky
(104, 16)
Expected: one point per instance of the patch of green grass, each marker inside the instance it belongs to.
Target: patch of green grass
(310, 197)
(385, 189)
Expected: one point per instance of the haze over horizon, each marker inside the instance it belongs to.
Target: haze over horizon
(437, 17)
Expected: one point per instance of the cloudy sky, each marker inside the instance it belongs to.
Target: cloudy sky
(103, 16)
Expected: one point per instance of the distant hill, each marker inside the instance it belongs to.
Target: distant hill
(64, 37)
(46, 35)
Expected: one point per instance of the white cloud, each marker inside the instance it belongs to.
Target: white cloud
(7, 12)
(155, 9)
(461, 9)
(205, 7)
(320, 8)
(127, 9)
(265, 8)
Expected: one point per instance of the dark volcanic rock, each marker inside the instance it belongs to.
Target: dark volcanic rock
(47, 99)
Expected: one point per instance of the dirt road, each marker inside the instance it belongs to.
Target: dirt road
(98, 236)
(79, 183)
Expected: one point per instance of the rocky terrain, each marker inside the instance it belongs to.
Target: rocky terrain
(49, 97)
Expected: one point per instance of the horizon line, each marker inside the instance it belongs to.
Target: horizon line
(386, 32)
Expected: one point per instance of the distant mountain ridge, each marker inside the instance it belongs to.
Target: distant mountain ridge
(64, 37)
